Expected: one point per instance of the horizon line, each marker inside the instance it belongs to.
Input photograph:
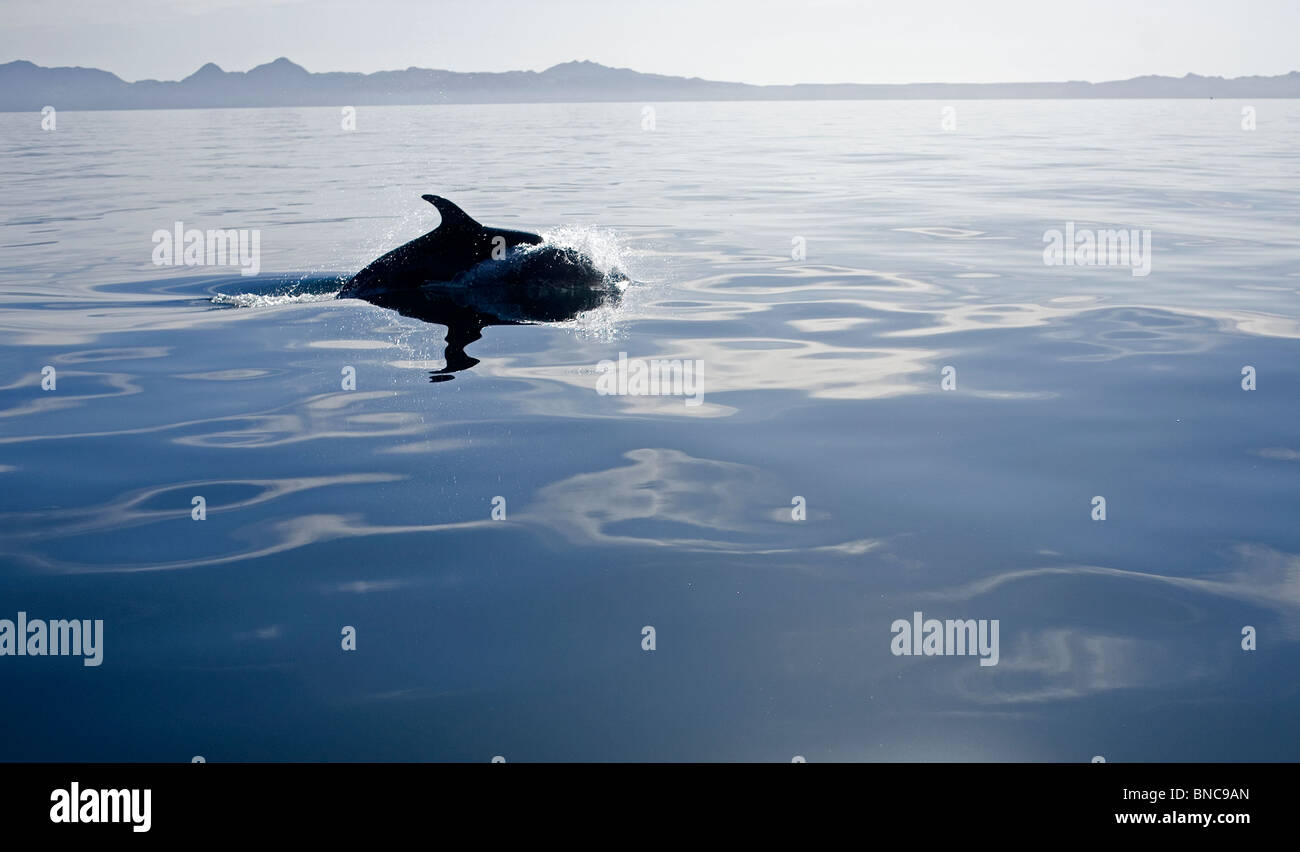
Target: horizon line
(285, 59)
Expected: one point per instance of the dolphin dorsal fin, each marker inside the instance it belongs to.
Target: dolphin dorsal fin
(453, 218)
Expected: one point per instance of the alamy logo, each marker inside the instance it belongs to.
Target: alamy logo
(91, 805)
(932, 638)
(235, 247)
(653, 377)
(1107, 247)
(59, 637)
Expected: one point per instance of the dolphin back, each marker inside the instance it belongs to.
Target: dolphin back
(451, 250)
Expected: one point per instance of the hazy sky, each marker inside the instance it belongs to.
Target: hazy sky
(756, 41)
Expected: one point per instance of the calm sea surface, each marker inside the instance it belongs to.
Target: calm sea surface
(826, 262)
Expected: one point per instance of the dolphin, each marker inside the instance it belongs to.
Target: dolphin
(467, 276)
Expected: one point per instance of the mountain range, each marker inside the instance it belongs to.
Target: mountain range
(25, 86)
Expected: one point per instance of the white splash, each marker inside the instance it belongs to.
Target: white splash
(258, 300)
(610, 254)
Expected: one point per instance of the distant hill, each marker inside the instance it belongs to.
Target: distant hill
(28, 87)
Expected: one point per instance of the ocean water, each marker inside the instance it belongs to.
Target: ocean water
(825, 263)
